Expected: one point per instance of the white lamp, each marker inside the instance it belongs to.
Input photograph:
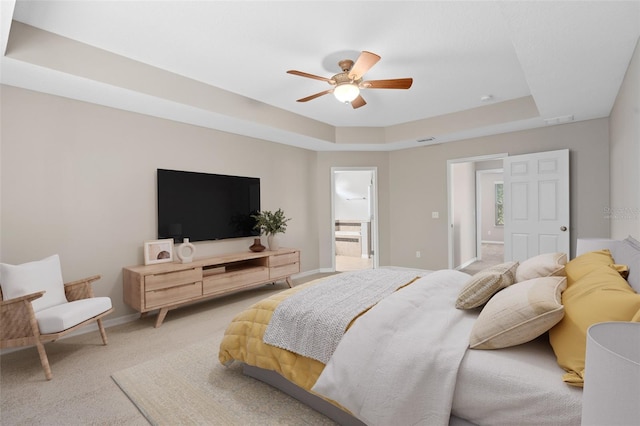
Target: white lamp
(611, 393)
(346, 92)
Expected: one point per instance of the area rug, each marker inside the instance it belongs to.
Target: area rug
(190, 387)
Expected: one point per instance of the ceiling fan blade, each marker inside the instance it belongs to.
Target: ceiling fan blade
(364, 63)
(317, 77)
(358, 102)
(396, 83)
(317, 95)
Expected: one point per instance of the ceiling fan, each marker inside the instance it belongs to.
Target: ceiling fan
(348, 83)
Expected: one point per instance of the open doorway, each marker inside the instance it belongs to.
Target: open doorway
(489, 217)
(354, 218)
(475, 237)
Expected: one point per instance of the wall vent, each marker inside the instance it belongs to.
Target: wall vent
(429, 139)
(558, 120)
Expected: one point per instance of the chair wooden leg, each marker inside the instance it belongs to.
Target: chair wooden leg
(44, 360)
(103, 333)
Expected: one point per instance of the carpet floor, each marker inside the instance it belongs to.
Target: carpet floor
(190, 387)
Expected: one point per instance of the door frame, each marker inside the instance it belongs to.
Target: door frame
(479, 209)
(374, 212)
(450, 205)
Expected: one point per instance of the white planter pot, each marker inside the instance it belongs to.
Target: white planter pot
(273, 240)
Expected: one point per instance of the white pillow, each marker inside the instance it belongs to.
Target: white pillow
(543, 265)
(519, 313)
(32, 277)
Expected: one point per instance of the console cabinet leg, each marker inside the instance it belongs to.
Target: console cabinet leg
(161, 315)
(289, 283)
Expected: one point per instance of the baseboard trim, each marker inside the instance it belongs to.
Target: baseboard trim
(467, 263)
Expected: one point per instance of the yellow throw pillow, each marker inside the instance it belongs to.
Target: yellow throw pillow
(598, 296)
(480, 287)
(519, 313)
(585, 263)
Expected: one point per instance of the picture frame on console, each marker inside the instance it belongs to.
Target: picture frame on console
(158, 251)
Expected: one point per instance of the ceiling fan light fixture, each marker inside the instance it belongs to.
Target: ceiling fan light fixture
(346, 92)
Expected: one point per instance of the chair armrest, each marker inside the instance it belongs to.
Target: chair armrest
(28, 297)
(19, 325)
(80, 289)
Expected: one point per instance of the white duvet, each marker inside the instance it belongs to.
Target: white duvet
(398, 363)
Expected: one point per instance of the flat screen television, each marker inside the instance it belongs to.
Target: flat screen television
(204, 206)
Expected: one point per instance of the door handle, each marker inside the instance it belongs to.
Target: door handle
(563, 228)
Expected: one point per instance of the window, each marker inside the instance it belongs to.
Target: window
(499, 191)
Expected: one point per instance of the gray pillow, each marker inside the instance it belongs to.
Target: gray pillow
(628, 253)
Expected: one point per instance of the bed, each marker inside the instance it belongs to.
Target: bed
(415, 346)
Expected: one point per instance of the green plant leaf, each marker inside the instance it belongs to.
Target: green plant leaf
(271, 223)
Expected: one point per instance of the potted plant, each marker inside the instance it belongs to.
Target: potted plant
(270, 224)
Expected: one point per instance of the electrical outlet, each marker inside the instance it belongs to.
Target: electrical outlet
(418, 254)
(435, 215)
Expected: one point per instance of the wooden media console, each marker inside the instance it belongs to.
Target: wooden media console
(167, 286)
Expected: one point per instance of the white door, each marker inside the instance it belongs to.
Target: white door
(536, 204)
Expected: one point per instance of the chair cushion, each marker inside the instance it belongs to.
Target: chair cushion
(32, 277)
(61, 317)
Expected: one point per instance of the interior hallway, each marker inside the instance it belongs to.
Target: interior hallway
(492, 254)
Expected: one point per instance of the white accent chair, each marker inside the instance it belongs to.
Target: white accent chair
(37, 307)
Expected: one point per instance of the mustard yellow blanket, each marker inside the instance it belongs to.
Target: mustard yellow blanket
(244, 338)
(242, 341)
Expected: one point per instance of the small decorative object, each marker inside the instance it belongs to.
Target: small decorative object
(270, 223)
(158, 251)
(257, 245)
(186, 251)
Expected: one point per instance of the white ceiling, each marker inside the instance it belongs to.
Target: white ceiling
(569, 56)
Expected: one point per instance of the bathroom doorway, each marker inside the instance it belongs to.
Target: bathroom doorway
(354, 218)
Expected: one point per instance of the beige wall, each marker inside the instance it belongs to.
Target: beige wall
(79, 180)
(418, 186)
(625, 155)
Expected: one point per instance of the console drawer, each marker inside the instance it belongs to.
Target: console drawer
(172, 279)
(173, 294)
(284, 259)
(235, 279)
(284, 270)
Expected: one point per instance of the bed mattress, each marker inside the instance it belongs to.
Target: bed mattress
(519, 385)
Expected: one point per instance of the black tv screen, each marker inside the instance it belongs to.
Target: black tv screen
(204, 206)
